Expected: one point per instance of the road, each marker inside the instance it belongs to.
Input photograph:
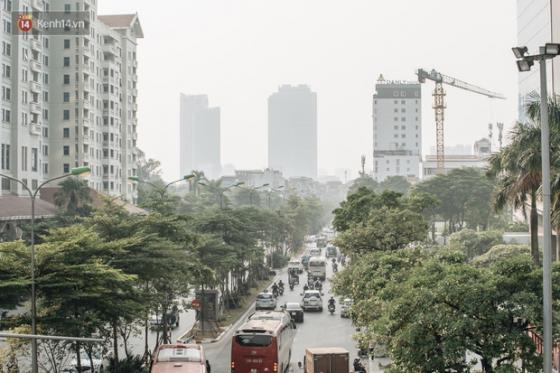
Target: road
(320, 329)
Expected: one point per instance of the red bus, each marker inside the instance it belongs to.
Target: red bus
(263, 345)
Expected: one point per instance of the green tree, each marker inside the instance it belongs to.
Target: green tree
(364, 181)
(73, 197)
(397, 184)
(473, 243)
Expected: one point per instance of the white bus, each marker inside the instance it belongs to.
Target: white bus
(318, 267)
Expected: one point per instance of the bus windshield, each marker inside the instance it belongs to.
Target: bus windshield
(254, 340)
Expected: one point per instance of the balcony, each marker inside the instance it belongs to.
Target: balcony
(111, 48)
(86, 139)
(134, 91)
(134, 106)
(35, 86)
(105, 112)
(35, 107)
(35, 44)
(86, 104)
(35, 129)
(35, 65)
(134, 77)
(135, 63)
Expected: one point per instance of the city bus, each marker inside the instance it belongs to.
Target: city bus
(317, 267)
(263, 345)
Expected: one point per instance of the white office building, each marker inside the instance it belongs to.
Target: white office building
(199, 136)
(538, 23)
(292, 131)
(397, 129)
(70, 100)
(476, 157)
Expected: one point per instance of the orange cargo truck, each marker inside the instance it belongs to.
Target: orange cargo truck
(326, 360)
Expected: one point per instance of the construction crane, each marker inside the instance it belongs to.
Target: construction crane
(439, 103)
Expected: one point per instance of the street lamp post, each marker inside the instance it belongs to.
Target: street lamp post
(33, 195)
(524, 63)
(253, 190)
(270, 193)
(160, 189)
(221, 192)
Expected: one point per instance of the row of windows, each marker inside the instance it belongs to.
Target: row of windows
(396, 102)
(396, 144)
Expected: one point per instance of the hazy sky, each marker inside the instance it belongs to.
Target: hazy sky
(239, 52)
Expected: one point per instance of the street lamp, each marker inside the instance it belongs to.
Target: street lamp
(221, 192)
(524, 63)
(270, 193)
(159, 188)
(77, 171)
(253, 189)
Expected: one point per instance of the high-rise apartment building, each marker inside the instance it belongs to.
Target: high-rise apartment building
(538, 23)
(70, 100)
(397, 129)
(199, 136)
(292, 131)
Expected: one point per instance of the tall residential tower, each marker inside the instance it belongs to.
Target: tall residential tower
(199, 136)
(70, 100)
(397, 129)
(292, 131)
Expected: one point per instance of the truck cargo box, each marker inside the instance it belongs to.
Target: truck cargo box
(326, 360)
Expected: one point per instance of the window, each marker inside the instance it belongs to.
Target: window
(45, 132)
(396, 102)
(45, 168)
(66, 8)
(34, 159)
(403, 110)
(396, 127)
(7, 26)
(403, 136)
(66, 96)
(46, 78)
(46, 96)
(403, 102)
(45, 150)
(6, 94)
(6, 71)
(66, 43)
(395, 135)
(5, 157)
(24, 158)
(66, 114)
(396, 119)
(66, 133)
(5, 184)
(66, 150)
(396, 110)
(66, 168)
(6, 49)
(403, 127)
(24, 97)
(403, 119)
(46, 60)
(66, 61)
(6, 115)
(66, 79)
(8, 5)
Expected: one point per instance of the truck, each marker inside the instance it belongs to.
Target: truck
(326, 360)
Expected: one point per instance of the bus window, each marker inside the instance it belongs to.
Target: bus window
(255, 340)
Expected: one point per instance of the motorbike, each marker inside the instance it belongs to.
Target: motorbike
(318, 286)
(331, 308)
(275, 293)
(358, 366)
(281, 291)
(335, 268)
(291, 286)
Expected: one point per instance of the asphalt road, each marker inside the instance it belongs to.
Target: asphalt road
(319, 329)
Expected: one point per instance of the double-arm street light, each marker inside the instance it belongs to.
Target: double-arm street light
(273, 190)
(524, 63)
(33, 195)
(160, 189)
(254, 189)
(222, 191)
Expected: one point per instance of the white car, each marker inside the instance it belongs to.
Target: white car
(345, 307)
(86, 363)
(312, 301)
(265, 301)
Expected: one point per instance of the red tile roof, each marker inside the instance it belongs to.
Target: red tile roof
(19, 208)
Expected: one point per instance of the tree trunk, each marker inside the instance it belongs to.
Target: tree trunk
(78, 357)
(486, 365)
(534, 223)
(115, 347)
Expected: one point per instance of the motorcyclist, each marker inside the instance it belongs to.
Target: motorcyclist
(318, 285)
(305, 287)
(358, 367)
(335, 267)
(281, 284)
(275, 289)
(332, 301)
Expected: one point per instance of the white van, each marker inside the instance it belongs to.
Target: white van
(318, 267)
(315, 251)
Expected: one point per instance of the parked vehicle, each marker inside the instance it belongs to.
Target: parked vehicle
(173, 319)
(295, 265)
(331, 251)
(312, 300)
(265, 301)
(262, 346)
(326, 360)
(318, 267)
(180, 358)
(345, 307)
(295, 311)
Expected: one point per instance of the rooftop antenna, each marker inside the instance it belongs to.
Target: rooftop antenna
(363, 173)
(490, 129)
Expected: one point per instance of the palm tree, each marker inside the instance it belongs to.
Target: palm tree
(73, 196)
(195, 181)
(517, 166)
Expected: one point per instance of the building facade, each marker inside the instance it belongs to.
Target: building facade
(199, 136)
(292, 131)
(477, 158)
(397, 129)
(538, 23)
(70, 100)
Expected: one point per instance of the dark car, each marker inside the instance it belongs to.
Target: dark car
(295, 311)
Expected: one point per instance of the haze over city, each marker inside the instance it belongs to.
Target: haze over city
(240, 52)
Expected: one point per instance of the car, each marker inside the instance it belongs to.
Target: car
(270, 315)
(295, 311)
(331, 251)
(312, 300)
(265, 301)
(180, 358)
(86, 363)
(173, 319)
(315, 252)
(345, 307)
(296, 265)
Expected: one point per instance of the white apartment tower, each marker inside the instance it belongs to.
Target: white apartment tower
(199, 136)
(70, 100)
(397, 129)
(292, 131)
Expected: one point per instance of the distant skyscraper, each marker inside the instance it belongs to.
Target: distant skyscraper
(538, 22)
(292, 131)
(397, 129)
(199, 136)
